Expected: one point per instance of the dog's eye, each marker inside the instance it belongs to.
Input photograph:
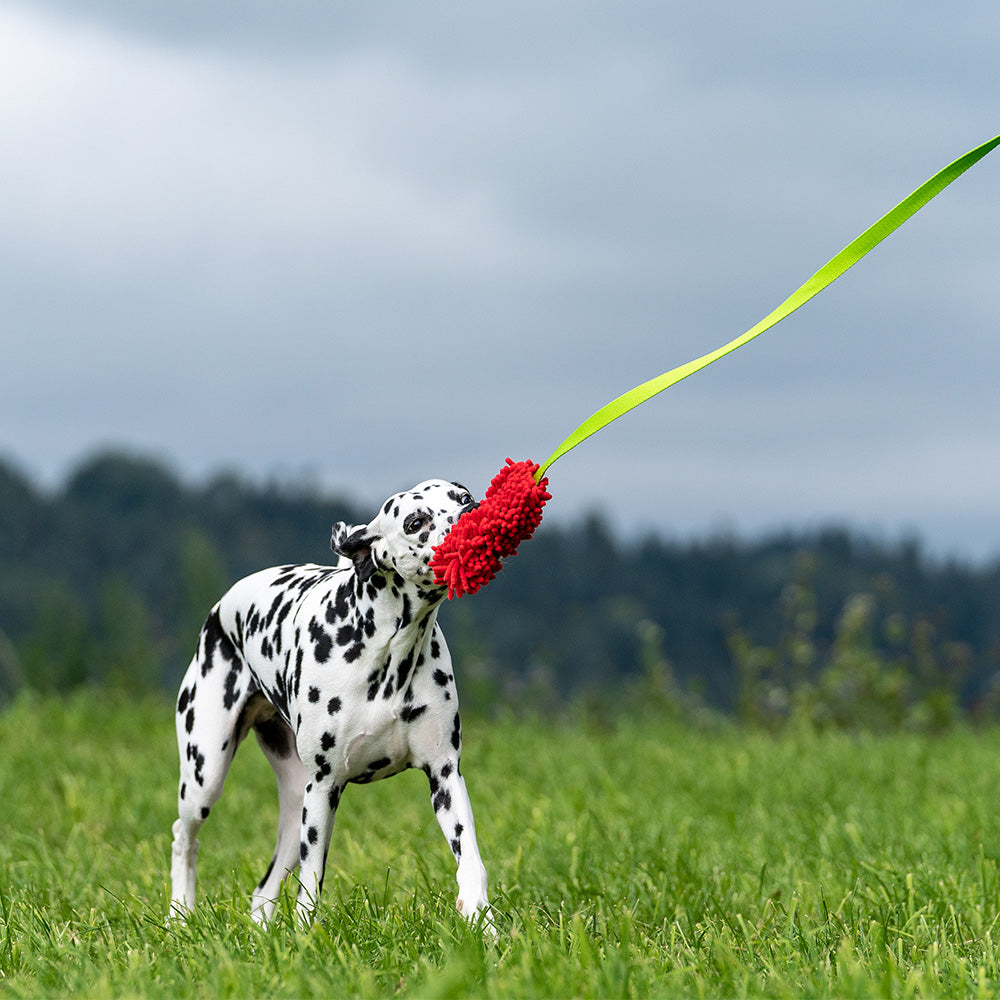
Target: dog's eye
(414, 523)
(465, 499)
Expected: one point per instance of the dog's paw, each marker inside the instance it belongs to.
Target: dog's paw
(261, 910)
(178, 914)
(479, 914)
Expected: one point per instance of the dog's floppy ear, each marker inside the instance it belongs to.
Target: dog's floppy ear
(356, 544)
(339, 533)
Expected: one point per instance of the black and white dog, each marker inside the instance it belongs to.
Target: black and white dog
(344, 676)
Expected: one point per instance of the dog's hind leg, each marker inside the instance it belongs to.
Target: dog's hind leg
(210, 711)
(276, 740)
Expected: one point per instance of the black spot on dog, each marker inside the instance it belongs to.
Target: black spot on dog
(303, 850)
(322, 644)
(275, 604)
(267, 874)
(377, 765)
(410, 714)
(328, 741)
(323, 766)
(456, 733)
(446, 771)
(405, 666)
(182, 701)
(278, 696)
(312, 834)
(435, 649)
(314, 694)
(204, 812)
(214, 639)
(333, 796)
(184, 789)
(340, 609)
(333, 706)
(374, 682)
(231, 694)
(199, 762)
(440, 678)
(282, 615)
(345, 635)
(369, 623)
(442, 800)
(456, 849)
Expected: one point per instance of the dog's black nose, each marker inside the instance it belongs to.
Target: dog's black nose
(470, 506)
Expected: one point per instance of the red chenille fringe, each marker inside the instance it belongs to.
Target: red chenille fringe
(471, 553)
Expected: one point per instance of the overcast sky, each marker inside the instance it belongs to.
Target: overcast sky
(373, 243)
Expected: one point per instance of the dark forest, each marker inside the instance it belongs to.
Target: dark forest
(107, 580)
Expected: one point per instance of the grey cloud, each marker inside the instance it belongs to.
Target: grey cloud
(279, 235)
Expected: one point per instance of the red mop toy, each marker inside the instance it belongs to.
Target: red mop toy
(471, 554)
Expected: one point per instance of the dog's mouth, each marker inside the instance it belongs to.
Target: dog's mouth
(443, 534)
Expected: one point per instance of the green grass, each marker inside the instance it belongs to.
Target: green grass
(645, 860)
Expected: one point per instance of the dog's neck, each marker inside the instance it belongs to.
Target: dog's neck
(406, 608)
(395, 619)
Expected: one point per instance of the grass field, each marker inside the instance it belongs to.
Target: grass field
(646, 860)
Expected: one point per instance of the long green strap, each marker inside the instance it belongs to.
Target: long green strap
(826, 275)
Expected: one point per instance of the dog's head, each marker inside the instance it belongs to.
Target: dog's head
(403, 534)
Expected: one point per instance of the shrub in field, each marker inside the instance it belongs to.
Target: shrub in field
(876, 673)
(573, 613)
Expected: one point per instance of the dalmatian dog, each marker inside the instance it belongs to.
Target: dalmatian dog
(344, 676)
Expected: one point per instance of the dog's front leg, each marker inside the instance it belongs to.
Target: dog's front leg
(319, 807)
(454, 814)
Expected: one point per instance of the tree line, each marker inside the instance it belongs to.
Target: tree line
(108, 578)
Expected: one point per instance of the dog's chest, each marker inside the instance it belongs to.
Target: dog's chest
(376, 745)
(369, 739)
(356, 671)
